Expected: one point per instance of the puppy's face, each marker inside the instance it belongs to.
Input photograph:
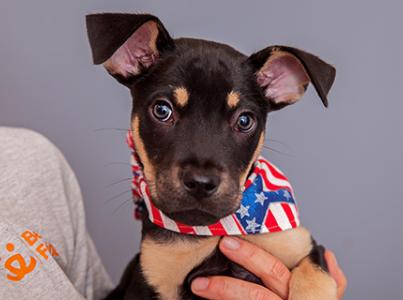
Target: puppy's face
(199, 108)
(199, 116)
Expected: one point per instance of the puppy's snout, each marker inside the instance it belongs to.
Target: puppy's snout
(200, 184)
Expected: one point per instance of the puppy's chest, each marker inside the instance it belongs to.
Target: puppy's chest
(165, 265)
(170, 267)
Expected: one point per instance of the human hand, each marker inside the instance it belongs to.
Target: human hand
(274, 275)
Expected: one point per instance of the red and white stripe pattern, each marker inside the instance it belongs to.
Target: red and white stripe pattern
(263, 215)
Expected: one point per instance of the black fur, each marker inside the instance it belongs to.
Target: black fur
(216, 264)
(317, 256)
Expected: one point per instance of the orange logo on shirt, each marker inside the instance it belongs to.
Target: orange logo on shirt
(20, 267)
(17, 265)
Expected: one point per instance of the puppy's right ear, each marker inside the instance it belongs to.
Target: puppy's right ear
(127, 44)
(285, 72)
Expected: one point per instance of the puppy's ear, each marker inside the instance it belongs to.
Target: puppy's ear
(284, 74)
(127, 44)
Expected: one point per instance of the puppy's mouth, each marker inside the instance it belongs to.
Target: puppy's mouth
(184, 208)
(195, 217)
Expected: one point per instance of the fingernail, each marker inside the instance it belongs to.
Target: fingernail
(230, 243)
(200, 284)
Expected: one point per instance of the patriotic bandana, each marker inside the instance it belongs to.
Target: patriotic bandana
(267, 204)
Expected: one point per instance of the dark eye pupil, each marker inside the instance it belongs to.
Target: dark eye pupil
(244, 121)
(162, 111)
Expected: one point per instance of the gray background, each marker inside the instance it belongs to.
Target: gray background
(345, 162)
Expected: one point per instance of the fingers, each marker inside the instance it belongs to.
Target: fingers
(336, 273)
(226, 288)
(269, 269)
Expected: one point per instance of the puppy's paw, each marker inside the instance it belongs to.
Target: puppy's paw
(310, 282)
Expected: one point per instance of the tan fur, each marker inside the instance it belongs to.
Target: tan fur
(149, 170)
(181, 96)
(111, 67)
(243, 176)
(289, 246)
(166, 264)
(309, 282)
(232, 99)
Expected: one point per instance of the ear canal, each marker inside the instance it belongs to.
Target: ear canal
(284, 73)
(127, 44)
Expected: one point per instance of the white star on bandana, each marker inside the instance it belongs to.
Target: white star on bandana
(260, 198)
(286, 194)
(244, 211)
(252, 225)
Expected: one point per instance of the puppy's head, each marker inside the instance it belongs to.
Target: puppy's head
(199, 108)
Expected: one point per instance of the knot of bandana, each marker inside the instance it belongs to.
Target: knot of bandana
(267, 203)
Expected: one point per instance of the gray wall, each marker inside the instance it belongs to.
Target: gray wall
(345, 162)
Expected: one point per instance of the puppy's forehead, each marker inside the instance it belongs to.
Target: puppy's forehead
(207, 70)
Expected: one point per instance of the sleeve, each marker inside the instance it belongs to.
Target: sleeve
(29, 269)
(45, 249)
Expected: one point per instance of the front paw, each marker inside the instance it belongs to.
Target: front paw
(310, 282)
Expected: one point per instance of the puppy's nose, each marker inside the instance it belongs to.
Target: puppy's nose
(200, 185)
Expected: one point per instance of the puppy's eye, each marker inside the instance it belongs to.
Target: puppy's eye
(245, 122)
(162, 111)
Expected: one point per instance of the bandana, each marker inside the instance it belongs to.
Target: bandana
(267, 203)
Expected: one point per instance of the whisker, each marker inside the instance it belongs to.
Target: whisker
(116, 129)
(125, 202)
(277, 151)
(117, 196)
(278, 142)
(117, 163)
(117, 182)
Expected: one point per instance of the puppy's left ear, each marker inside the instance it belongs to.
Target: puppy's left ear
(284, 74)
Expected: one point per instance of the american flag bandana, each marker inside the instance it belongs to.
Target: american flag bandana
(267, 204)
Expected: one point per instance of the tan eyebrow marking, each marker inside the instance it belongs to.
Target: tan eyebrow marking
(232, 99)
(181, 96)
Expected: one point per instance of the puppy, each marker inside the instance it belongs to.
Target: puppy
(198, 125)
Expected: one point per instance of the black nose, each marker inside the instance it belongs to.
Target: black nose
(199, 184)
